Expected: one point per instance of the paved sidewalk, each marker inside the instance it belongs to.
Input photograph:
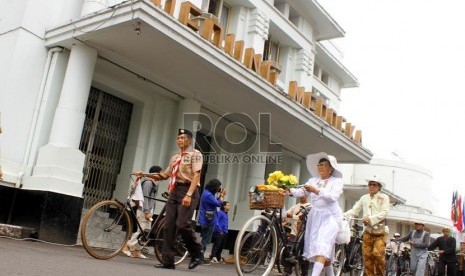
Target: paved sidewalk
(19, 257)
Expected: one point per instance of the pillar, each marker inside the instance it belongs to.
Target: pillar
(291, 165)
(254, 175)
(60, 162)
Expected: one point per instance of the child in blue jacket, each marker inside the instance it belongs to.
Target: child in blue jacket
(221, 233)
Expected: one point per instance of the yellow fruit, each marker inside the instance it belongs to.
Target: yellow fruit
(272, 187)
(261, 187)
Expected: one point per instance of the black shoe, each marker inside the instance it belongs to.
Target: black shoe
(165, 266)
(195, 262)
(291, 260)
(205, 262)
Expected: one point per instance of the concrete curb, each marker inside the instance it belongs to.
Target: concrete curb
(17, 232)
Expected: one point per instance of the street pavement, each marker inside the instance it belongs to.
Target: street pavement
(35, 258)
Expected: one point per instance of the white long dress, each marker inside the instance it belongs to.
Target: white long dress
(324, 219)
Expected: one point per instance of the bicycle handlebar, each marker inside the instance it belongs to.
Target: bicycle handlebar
(356, 219)
(302, 209)
(144, 174)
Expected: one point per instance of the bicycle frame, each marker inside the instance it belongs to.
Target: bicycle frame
(276, 222)
(133, 215)
(355, 240)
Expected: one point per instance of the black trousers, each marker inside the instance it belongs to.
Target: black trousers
(304, 264)
(451, 268)
(218, 246)
(178, 220)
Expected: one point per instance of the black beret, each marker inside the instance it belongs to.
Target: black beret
(184, 131)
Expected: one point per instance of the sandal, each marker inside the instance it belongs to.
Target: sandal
(126, 251)
(138, 255)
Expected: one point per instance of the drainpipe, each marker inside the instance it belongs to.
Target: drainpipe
(49, 63)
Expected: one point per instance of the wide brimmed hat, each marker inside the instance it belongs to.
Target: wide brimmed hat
(313, 159)
(375, 178)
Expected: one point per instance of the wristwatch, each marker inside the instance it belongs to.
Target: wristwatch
(188, 195)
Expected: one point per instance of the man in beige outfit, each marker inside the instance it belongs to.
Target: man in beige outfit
(375, 207)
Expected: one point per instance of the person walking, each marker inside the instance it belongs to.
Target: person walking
(208, 211)
(396, 249)
(375, 207)
(184, 172)
(144, 200)
(294, 219)
(325, 217)
(221, 233)
(447, 256)
(419, 241)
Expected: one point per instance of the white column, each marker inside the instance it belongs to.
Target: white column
(70, 113)
(291, 165)
(304, 173)
(257, 30)
(287, 62)
(255, 174)
(60, 162)
(303, 68)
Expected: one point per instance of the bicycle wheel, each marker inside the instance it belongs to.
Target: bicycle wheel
(301, 263)
(392, 265)
(280, 259)
(339, 259)
(357, 267)
(180, 246)
(105, 229)
(406, 266)
(255, 251)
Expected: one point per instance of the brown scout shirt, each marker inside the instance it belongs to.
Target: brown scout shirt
(190, 163)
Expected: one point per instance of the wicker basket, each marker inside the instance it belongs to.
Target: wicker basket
(271, 199)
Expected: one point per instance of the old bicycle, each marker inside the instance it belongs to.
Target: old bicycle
(399, 261)
(353, 262)
(108, 225)
(260, 240)
(256, 247)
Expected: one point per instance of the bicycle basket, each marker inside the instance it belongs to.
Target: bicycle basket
(266, 199)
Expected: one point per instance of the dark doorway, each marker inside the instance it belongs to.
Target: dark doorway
(103, 140)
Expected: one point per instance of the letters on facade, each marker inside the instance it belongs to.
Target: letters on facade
(211, 30)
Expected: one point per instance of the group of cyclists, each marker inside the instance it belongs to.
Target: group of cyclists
(324, 220)
(323, 223)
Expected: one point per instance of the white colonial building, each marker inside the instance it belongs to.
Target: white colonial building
(409, 187)
(92, 90)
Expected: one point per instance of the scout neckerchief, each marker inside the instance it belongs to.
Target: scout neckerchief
(174, 173)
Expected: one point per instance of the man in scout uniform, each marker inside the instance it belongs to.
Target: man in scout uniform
(184, 170)
(375, 207)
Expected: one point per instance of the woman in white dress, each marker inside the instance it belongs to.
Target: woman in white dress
(324, 219)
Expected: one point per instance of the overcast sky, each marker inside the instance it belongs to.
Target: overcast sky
(409, 57)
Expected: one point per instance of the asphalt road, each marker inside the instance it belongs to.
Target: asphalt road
(33, 258)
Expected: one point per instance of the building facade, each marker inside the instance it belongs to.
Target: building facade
(94, 90)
